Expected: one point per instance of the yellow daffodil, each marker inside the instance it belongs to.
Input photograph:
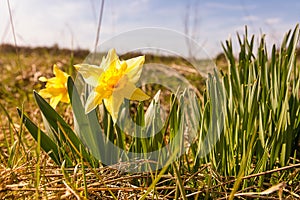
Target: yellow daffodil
(113, 81)
(56, 87)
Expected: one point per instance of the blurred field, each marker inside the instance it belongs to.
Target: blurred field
(22, 67)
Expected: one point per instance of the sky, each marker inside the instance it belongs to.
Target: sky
(73, 23)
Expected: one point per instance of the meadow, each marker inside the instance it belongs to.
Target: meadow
(256, 156)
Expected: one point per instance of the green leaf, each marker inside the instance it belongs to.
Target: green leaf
(62, 128)
(46, 143)
(88, 126)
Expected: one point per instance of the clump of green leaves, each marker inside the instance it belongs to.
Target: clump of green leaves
(261, 116)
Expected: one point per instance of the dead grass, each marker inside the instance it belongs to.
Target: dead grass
(108, 183)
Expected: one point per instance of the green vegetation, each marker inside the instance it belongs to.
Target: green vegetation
(256, 101)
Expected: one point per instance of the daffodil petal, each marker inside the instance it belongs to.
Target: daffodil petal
(134, 68)
(113, 105)
(54, 101)
(65, 98)
(53, 91)
(43, 79)
(110, 60)
(90, 73)
(55, 70)
(60, 75)
(139, 95)
(44, 93)
(93, 101)
(130, 91)
(53, 82)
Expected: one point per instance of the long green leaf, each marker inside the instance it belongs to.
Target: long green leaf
(56, 122)
(89, 129)
(46, 143)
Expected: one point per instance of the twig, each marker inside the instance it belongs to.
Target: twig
(71, 190)
(14, 35)
(270, 190)
(99, 26)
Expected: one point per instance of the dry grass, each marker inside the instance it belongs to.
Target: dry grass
(108, 183)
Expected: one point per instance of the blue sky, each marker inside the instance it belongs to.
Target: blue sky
(73, 23)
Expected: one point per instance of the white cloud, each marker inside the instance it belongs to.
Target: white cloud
(38, 23)
(228, 6)
(250, 18)
(272, 21)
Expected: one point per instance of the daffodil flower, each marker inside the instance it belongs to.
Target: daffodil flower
(113, 81)
(56, 87)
